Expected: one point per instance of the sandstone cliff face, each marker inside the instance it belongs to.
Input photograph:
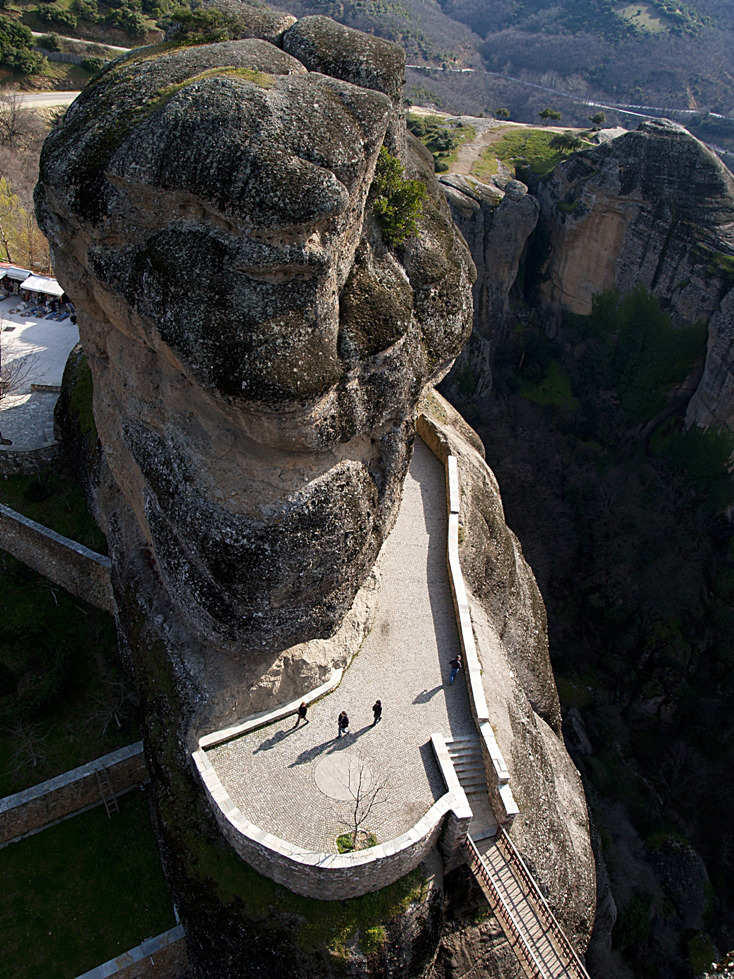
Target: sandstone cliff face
(496, 224)
(258, 351)
(207, 210)
(652, 208)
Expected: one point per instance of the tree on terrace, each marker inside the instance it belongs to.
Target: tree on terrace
(547, 114)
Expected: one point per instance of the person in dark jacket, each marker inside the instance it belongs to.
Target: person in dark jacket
(455, 665)
(301, 715)
(377, 711)
(343, 723)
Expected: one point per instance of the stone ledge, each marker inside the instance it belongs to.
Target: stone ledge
(169, 948)
(498, 777)
(71, 565)
(268, 717)
(331, 876)
(64, 795)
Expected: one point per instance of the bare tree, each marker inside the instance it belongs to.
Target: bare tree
(19, 125)
(110, 706)
(28, 745)
(364, 794)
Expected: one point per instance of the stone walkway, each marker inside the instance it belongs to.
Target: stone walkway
(292, 783)
(27, 417)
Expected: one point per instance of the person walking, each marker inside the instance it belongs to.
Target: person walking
(343, 723)
(301, 715)
(455, 665)
(377, 711)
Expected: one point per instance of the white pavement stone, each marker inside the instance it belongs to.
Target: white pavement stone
(269, 773)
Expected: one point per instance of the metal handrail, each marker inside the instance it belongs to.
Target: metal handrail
(501, 908)
(544, 909)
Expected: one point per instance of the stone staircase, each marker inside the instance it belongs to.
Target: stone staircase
(466, 756)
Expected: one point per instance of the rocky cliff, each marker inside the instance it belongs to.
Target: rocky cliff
(653, 208)
(258, 348)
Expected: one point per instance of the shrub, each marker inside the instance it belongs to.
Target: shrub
(50, 42)
(396, 202)
(16, 48)
(86, 9)
(52, 15)
(201, 26)
(93, 65)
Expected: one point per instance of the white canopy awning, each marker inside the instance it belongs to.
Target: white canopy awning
(38, 283)
(17, 274)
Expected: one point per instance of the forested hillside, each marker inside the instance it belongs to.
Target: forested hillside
(658, 53)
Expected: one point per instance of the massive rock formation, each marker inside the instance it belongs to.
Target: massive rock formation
(651, 208)
(207, 210)
(258, 349)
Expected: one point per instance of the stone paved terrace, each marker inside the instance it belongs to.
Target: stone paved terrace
(273, 774)
(27, 417)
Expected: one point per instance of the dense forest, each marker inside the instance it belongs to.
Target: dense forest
(625, 518)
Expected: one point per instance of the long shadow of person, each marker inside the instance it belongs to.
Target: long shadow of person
(274, 739)
(425, 695)
(340, 743)
(309, 754)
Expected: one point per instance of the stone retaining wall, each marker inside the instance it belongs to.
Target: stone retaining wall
(74, 567)
(333, 876)
(15, 462)
(498, 777)
(162, 957)
(78, 789)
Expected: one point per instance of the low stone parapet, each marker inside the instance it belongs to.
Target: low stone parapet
(162, 957)
(69, 564)
(498, 777)
(28, 462)
(334, 876)
(30, 810)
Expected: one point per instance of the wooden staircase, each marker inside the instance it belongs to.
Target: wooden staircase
(531, 927)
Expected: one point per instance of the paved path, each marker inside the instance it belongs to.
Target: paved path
(27, 417)
(45, 100)
(278, 777)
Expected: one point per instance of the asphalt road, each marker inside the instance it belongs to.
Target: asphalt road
(45, 100)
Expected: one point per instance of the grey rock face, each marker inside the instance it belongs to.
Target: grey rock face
(652, 208)
(257, 349)
(713, 402)
(260, 22)
(496, 224)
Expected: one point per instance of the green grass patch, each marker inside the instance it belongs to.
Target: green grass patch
(644, 18)
(525, 150)
(553, 389)
(344, 842)
(79, 893)
(443, 137)
(63, 696)
(56, 502)
(327, 926)
(486, 166)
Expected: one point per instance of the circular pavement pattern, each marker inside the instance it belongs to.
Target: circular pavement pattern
(345, 776)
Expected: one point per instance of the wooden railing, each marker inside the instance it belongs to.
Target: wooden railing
(559, 936)
(503, 913)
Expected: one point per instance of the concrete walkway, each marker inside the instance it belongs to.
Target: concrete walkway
(26, 417)
(289, 782)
